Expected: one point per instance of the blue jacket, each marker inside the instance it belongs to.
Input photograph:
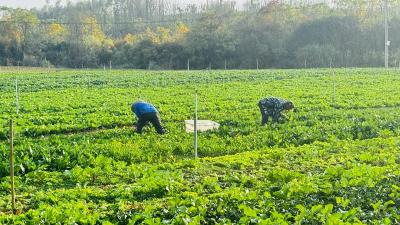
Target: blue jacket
(140, 108)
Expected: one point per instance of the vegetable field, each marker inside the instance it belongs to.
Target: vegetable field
(78, 161)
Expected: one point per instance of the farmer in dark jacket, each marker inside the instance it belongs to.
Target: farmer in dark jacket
(273, 107)
(146, 112)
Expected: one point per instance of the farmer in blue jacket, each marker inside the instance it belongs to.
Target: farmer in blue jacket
(146, 112)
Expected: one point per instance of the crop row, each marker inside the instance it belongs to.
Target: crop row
(355, 182)
(34, 81)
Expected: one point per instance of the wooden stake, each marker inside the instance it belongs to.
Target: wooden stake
(195, 125)
(16, 96)
(257, 63)
(334, 88)
(12, 166)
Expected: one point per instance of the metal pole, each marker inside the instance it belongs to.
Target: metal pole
(334, 88)
(188, 65)
(334, 84)
(195, 125)
(12, 165)
(16, 96)
(386, 36)
(257, 63)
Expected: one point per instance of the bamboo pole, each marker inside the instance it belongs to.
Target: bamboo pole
(334, 84)
(195, 125)
(257, 64)
(334, 88)
(12, 166)
(16, 96)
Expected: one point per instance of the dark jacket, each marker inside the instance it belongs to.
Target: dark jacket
(273, 107)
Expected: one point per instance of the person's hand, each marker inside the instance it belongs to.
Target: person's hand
(285, 118)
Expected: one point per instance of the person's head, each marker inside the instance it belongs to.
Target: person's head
(288, 105)
(138, 101)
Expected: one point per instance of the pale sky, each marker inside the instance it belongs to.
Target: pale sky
(28, 3)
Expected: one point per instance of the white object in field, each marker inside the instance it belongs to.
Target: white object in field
(202, 125)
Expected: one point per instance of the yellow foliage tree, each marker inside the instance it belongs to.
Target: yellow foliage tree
(164, 34)
(92, 33)
(130, 39)
(182, 29)
(18, 36)
(148, 34)
(181, 32)
(108, 43)
(57, 32)
(160, 36)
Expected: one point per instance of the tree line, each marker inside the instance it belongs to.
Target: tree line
(137, 34)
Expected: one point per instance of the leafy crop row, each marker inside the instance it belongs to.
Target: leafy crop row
(356, 182)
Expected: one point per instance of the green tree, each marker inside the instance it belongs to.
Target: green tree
(210, 41)
(340, 33)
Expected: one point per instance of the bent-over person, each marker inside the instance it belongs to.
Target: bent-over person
(147, 113)
(273, 107)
